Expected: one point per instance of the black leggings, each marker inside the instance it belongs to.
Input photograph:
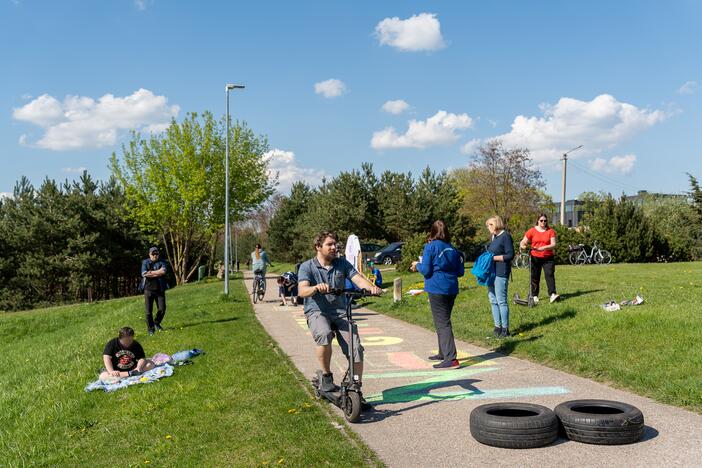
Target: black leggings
(549, 267)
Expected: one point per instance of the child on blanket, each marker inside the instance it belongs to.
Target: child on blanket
(123, 356)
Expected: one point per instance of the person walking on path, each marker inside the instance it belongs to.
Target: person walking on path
(502, 248)
(543, 246)
(441, 264)
(326, 313)
(153, 272)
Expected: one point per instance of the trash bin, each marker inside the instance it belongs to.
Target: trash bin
(201, 272)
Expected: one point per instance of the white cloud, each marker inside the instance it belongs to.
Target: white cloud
(440, 129)
(395, 107)
(5, 195)
(283, 165)
(689, 87)
(82, 122)
(143, 4)
(493, 123)
(73, 170)
(420, 32)
(330, 88)
(471, 146)
(599, 124)
(615, 165)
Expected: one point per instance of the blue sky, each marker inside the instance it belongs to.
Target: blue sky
(622, 78)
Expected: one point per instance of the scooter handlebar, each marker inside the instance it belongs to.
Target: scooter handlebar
(356, 293)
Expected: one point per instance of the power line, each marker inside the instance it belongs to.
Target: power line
(605, 179)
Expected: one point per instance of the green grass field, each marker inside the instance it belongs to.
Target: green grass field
(654, 349)
(241, 404)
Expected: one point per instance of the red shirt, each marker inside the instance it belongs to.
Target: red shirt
(540, 239)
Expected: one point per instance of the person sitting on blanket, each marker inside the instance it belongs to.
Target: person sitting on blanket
(124, 356)
(287, 287)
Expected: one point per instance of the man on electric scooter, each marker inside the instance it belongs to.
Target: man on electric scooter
(325, 313)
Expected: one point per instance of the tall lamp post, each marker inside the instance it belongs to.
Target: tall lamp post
(227, 88)
(563, 182)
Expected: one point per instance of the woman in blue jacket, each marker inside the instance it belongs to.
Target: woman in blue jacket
(502, 248)
(441, 264)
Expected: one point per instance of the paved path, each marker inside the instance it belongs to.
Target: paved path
(420, 415)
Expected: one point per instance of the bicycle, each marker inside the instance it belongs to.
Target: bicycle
(259, 286)
(578, 255)
(522, 260)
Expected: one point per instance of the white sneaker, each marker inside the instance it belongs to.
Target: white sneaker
(554, 298)
(535, 299)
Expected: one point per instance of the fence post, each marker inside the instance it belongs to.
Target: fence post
(397, 290)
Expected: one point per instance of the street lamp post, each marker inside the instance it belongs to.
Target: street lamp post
(563, 182)
(227, 88)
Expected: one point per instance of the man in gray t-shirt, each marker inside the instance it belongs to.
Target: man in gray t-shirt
(325, 313)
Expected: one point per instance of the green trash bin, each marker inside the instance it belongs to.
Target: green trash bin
(201, 272)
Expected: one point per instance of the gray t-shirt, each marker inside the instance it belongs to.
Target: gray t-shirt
(335, 276)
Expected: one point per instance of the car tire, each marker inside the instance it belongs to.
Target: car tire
(601, 422)
(513, 425)
(387, 260)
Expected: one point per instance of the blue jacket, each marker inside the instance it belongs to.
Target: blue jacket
(484, 269)
(442, 265)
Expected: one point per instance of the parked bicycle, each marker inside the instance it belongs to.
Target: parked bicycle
(579, 256)
(259, 286)
(522, 260)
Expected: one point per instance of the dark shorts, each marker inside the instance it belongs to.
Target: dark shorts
(325, 327)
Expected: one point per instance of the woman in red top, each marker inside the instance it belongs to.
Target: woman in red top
(543, 245)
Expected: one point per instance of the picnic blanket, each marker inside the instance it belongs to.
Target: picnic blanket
(115, 383)
(164, 368)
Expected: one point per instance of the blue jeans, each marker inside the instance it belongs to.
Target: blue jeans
(497, 293)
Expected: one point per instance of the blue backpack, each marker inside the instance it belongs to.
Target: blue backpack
(484, 269)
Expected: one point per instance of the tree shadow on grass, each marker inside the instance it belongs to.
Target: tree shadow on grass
(524, 327)
(571, 295)
(508, 346)
(205, 322)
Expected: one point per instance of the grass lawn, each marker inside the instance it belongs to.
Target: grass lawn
(654, 349)
(279, 268)
(243, 403)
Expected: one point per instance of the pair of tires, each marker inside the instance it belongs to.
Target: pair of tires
(525, 425)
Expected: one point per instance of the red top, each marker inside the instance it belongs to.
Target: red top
(540, 239)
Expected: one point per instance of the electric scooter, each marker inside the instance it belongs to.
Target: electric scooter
(348, 395)
(529, 301)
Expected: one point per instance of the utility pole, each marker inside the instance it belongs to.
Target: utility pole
(227, 253)
(563, 182)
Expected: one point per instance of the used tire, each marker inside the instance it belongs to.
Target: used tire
(601, 422)
(513, 425)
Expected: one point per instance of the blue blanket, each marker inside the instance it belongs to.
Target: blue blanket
(164, 370)
(115, 383)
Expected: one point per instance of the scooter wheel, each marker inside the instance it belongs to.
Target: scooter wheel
(352, 409)
(317, 395)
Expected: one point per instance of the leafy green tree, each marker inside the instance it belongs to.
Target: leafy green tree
(398, 205)
(501, 181)
(173, 183)
(622, 228)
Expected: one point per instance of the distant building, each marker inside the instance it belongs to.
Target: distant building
(643, 196)
(574, 211)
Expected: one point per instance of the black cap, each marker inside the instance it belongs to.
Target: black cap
(153, 250)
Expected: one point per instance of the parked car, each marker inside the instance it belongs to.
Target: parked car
(368, 252)
(391, 253)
